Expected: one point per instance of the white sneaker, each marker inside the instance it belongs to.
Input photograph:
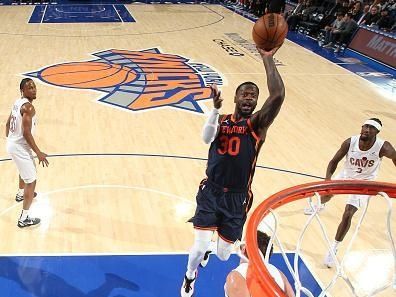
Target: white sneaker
(311, 209)
(329, 261)
(19, 198)
(28, 222)
(187, 289)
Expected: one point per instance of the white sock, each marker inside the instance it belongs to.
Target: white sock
(197, 252)
(21, 191)
(213, 247)
(24, 214)
(190, 274)
(335, 245)
(224, 249)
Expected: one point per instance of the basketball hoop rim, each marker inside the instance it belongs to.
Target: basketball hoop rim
(295, 193)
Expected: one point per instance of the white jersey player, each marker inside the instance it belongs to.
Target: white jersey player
(236, 286)
(20, 127)
(363, 155)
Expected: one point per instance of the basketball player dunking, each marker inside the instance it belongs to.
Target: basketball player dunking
(363, 155)
(224, 197)
(20, 143)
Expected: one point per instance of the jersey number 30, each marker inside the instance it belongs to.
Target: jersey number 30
(229, 145)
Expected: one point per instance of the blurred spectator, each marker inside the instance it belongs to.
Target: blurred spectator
(357, 11)
(391, 5)
(302, 10)
(276, 6)
(382, 4)
(333, 28)
(344, 8)
(344, 34)
(385, 22)
(296, 10)
(331, 14)
(366, 10)
(335, 8)
(371, 17)
(260, 7)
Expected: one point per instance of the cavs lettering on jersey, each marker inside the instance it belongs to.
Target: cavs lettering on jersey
(362, 165)
(233, 154)
(15, 134)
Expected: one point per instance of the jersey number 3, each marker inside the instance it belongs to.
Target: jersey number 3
(12, 124)
(229, 145)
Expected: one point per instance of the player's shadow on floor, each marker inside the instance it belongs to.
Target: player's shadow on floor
(38, 282)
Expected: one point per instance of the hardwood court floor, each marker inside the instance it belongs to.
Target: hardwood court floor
(139, 203)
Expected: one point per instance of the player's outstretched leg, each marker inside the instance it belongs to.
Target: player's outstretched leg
(25, 220)
(198, 250)
(224, 249)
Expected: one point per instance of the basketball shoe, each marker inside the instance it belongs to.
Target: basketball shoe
(205, 259)
(311, 209)
(28, 222)
(329, 261)
(19, 198)
(187, 289)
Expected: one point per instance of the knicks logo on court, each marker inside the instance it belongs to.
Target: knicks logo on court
(137, 80)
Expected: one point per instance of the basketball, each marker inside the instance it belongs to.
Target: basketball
(269, 31)
(87, 75)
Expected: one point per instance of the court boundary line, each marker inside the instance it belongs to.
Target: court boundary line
(93, 186)
(42, 18)
(222, 17)
(115, 9)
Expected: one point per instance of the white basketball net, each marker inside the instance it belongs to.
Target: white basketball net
(339, 264)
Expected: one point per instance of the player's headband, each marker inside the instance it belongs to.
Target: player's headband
(373, 123)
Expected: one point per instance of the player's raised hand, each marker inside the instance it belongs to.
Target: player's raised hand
(265, 53)
(217, 100)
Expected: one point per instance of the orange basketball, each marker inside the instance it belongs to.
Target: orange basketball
(88, 75)
(269, 31)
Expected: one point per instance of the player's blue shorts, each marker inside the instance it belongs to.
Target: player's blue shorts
(221, 209)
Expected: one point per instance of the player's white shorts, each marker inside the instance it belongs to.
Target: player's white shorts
(23, 158)
(358, 200)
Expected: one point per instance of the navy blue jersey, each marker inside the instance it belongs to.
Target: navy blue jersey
(233, 154)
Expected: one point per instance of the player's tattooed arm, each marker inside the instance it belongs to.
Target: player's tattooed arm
(262, 119)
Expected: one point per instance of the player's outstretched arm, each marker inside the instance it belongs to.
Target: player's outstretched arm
(332, 166)
(263, 118)
(343, 150)
(388, 151)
